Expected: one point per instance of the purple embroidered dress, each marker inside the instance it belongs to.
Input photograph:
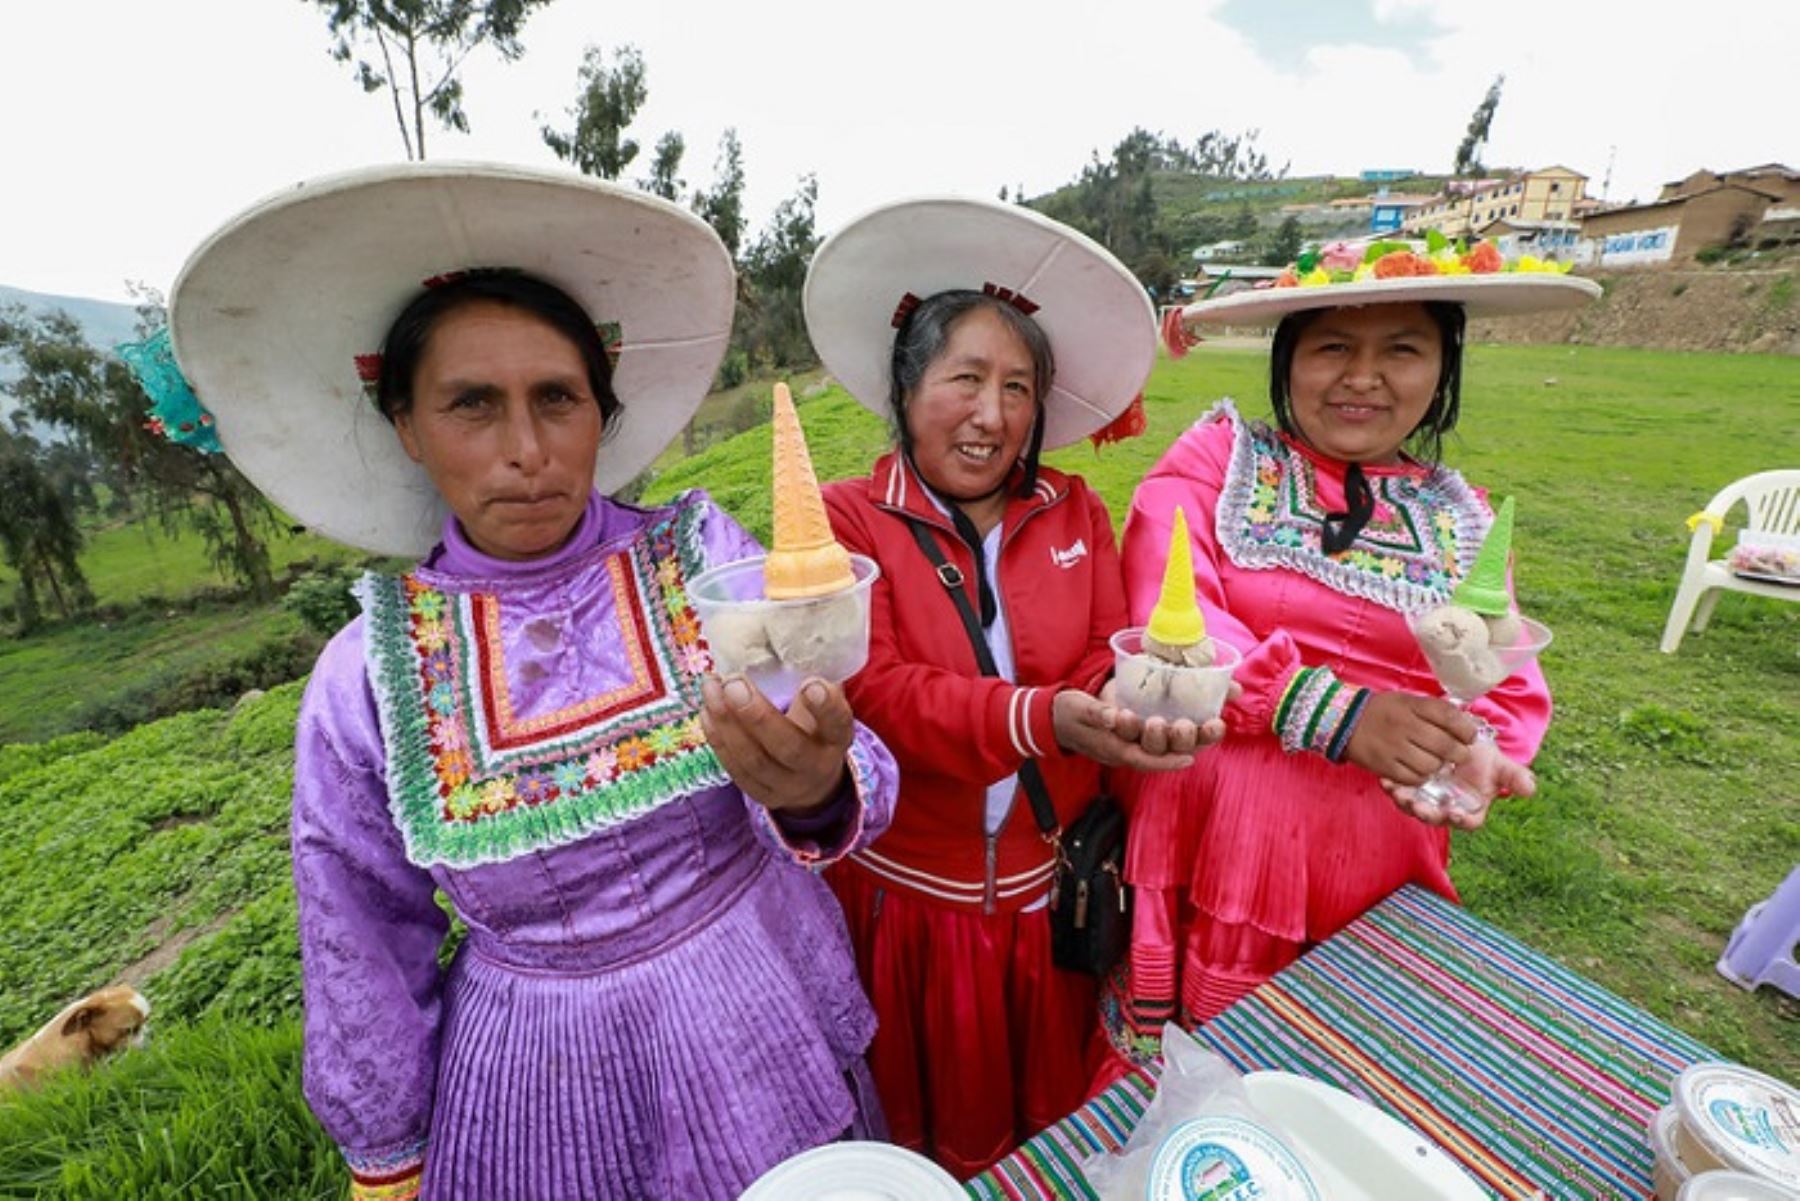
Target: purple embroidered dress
(656, 998)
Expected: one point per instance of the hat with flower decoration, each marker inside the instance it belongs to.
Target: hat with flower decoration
(1343, 274)
(277, 320)
(870, 274)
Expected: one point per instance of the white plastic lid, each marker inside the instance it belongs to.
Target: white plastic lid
(1227, 1159)
(1747, 1121)
(1732, 1186)
(856, 1172)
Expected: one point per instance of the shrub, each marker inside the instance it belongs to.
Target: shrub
(747, 412)
(322, 600)
(213, 686)
(1709, 255)
(734, 369)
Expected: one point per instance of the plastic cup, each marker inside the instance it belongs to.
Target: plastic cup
(779, 644)
(1151, 687)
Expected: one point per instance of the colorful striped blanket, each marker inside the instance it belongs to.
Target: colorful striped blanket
(1538, 1082)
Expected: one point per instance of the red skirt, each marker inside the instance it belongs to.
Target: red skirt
(981, 1041)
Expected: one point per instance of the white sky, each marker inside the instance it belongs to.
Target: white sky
(130, 128)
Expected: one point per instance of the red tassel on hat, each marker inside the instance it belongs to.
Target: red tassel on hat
(1128, 424)
(1175, 334)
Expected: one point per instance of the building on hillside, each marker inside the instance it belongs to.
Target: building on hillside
(1554, 240)
(1546, 194)
(1387, 214)
(1778, 179)
(1779, 223)
(1674, 230)
(1386, 174)
(1218, 250)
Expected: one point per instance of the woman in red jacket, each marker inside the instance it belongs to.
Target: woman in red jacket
(986, 333)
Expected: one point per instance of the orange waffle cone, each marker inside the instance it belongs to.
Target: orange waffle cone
(806, 559)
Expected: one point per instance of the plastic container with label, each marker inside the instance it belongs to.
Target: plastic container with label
(1733, 1186)
(1740, 1120)
(1222, 1158)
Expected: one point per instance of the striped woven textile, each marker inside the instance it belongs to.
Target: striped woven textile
(1538, 1082)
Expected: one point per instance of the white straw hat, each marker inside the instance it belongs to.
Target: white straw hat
(271, 313)
(1100, 323)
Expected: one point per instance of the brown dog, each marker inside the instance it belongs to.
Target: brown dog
(92, 1027)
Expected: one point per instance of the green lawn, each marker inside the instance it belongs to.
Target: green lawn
(157, 636)
(1669, 801)
(125, 563)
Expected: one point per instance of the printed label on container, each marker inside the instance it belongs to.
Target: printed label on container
(1746, 1120)
(1227, 1159)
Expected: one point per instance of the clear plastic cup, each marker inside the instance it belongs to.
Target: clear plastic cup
(1150, 687)
(778, 644)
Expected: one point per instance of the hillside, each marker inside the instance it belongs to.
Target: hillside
(1668, 795)
(1737, 309)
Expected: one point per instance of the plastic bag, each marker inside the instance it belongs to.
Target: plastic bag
(1197, 1085)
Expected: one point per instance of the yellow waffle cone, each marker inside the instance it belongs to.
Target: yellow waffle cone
(806, 559)
(1176, 620)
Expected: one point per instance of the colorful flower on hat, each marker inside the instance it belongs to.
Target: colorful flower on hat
(1340, 256)
(1484, 259)
(1349, 263)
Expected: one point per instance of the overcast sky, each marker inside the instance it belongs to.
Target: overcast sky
(130, 128)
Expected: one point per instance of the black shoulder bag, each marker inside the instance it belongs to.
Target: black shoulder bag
(1090, 918)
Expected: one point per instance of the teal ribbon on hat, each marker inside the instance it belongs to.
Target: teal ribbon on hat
(175, 412)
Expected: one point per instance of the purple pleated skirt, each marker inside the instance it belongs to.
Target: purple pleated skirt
(685, 1070)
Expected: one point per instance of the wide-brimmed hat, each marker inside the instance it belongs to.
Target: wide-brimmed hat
(865, 277)
(271, 314)
(1346, 275)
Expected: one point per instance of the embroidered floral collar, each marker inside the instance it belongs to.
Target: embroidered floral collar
(471, 781)
(1427, 527)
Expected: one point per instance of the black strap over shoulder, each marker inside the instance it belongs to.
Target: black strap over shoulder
(1030, 778)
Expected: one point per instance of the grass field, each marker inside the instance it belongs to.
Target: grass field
(127, 563)
(65, 675)
(1669, 797)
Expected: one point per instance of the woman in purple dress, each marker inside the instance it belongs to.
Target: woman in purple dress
(655, 996)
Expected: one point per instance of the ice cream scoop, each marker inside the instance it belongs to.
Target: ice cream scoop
(828, 638)
(807, 559)
(1456, 641)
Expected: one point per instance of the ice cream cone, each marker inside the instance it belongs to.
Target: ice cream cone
(1176, 620)
(806, 559)
(1484, 588)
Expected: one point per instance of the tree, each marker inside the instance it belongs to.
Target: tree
(1284, 248)
(92, 398)
(608, 100)
(771, 325)
(722, 206)
(1232, 156)
(1468, 153)
(665, 163)
(415, 49)
(39, 534)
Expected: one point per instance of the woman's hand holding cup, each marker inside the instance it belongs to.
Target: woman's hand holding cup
(791, 762)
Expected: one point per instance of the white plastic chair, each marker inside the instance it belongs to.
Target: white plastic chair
(1773, 498)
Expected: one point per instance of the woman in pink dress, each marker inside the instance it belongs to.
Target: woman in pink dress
(1313, 539)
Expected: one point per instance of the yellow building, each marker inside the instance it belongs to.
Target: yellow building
(1547, 194)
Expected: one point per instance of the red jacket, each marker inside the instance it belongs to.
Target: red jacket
(953, 730)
